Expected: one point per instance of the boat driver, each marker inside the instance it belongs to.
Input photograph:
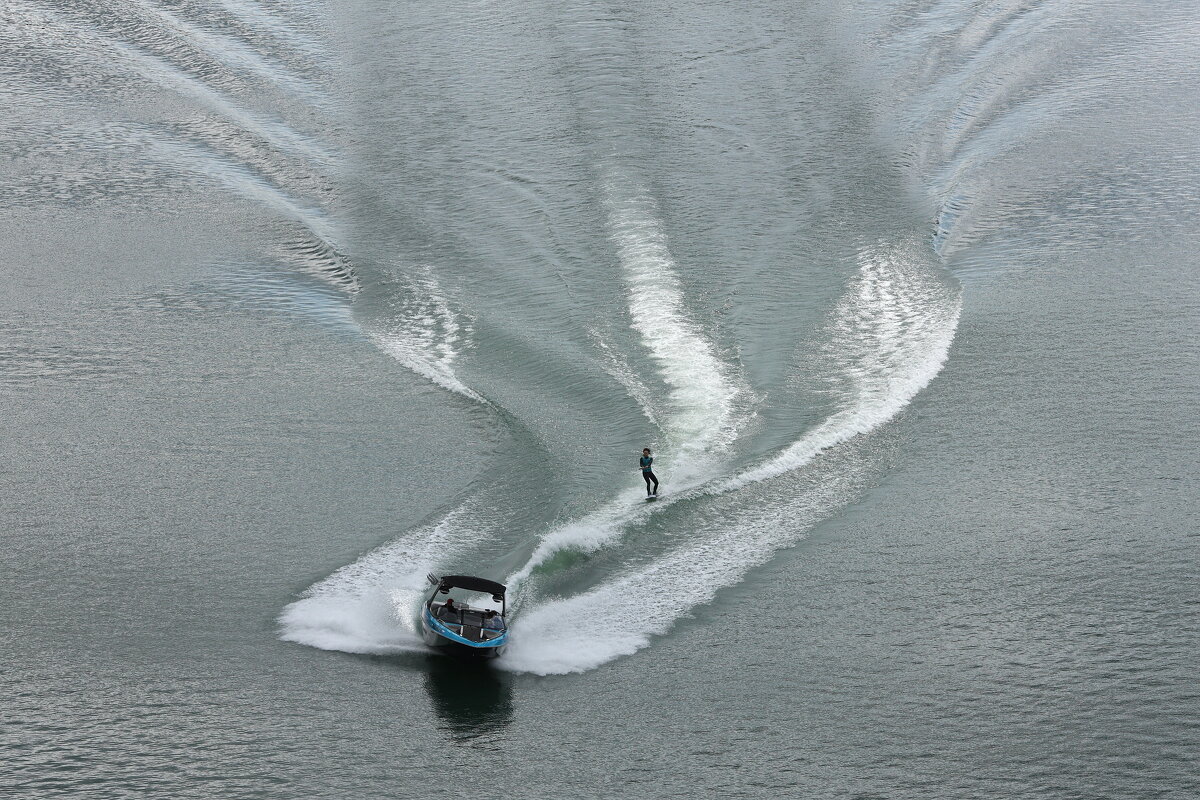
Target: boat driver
(449, 611)
(493, 621)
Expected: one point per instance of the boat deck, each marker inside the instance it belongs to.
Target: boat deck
(467, 622)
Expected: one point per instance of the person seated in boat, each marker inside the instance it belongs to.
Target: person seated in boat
(493, 621)
(449, 611)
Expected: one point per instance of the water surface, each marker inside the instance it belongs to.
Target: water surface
(305, 300)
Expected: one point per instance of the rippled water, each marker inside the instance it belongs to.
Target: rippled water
(306, 300)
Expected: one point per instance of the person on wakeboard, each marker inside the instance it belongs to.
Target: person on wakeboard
(647, 473)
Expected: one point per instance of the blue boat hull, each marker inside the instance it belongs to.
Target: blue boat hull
(435, 634)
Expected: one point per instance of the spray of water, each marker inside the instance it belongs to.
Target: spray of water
(889, 336)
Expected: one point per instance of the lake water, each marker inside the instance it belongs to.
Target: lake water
(303, 301)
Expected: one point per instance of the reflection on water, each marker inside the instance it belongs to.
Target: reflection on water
(470, 698)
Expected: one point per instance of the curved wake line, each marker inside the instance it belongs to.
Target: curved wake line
(316, 251)
(891, 336)
(898, 347)
(619, 370)
(548, 640)
(700, 418)
(424, 334)
(237, 55)
(170, 77)
(426, 341)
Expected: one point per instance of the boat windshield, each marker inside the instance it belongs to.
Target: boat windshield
(471, 622)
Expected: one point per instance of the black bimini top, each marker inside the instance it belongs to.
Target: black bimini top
(472, 584)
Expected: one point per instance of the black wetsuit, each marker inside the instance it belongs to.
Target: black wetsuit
(648, 474)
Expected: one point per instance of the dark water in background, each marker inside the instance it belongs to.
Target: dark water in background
(303, 301)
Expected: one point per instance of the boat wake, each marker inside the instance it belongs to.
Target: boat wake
(370, 606)
(253, 110)
(421, 330)
(889, 337)
(703, 391)
(705, 403)
(886, 340)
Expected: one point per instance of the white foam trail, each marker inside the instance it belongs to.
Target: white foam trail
(620, 617)
(890, 336)
(424, 333)
(702, 394)
(359, 625)
(371, 605)
(892, 332)
(700, 418)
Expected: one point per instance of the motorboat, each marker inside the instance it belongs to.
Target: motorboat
(450, 621)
